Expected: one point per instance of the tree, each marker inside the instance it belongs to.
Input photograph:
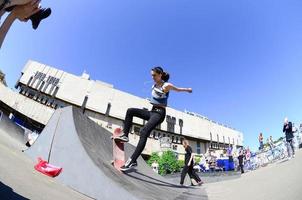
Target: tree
(167, 162)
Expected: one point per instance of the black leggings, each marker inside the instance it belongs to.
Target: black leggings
(192, 174)
(155, 117)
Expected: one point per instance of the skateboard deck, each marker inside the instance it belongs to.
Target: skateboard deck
(118, 150)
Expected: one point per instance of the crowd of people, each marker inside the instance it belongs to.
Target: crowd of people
(289, 139)
(22, 10)
(243, 159)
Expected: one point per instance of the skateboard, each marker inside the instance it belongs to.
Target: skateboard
(118, 150)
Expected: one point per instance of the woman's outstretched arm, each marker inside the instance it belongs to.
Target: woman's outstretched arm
(170, 86)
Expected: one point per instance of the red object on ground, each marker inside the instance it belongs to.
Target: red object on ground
(47, 169)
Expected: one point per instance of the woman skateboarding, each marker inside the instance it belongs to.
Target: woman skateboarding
(188, 168)
(159, 100)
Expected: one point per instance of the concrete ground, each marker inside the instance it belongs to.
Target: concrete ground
(19, 180)
(278, 181)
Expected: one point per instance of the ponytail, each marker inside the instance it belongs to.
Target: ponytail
(165, 76)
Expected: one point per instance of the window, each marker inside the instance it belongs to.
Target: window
(181, 123)
(29, 81)
(198, 150)
(56, 91)
(171, 121)
(41, 86)
(108, 109)
(158, 126)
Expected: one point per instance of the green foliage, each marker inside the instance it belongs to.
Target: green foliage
(181, 163)
(197, 159)
(168, 162)
(154, 157)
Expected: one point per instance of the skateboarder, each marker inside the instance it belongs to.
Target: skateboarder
(159, 100)
(189, 163)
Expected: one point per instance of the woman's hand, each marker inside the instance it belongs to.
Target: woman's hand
(23, 12)
(190, 90)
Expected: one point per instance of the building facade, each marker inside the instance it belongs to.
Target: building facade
(42, 89)
(2, 78)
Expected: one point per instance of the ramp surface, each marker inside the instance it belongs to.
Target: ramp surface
(72, 141)
(10, 131)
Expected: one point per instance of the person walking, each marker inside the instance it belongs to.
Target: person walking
(260, 138)
(189, 163)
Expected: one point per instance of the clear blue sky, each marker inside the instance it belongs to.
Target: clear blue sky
(242, 57)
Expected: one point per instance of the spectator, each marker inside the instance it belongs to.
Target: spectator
(248, 157)
(230, 154)
(271, 144)
(289, 136)
(240, 159)
(260, 138)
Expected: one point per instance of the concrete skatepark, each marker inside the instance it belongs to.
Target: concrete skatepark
(84, 150)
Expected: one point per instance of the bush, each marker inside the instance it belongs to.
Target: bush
(154, 157)
(197, 160)
(181, 163)
(168, 162)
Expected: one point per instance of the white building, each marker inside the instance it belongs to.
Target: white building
(42, 89)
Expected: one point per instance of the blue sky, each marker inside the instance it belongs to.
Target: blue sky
(242, 57)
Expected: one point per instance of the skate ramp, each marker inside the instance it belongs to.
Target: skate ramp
(11, 133)
(84, 149)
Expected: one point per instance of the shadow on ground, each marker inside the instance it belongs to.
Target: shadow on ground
(7, 193)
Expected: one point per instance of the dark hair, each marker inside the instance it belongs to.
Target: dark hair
(165, 76)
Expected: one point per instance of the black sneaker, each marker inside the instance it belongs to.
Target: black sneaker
(129, 165)
(122, 138)
(39, 16)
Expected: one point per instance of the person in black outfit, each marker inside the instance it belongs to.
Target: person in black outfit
(289, 135)
(189, 163)
(159, 100)
(240, 159)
